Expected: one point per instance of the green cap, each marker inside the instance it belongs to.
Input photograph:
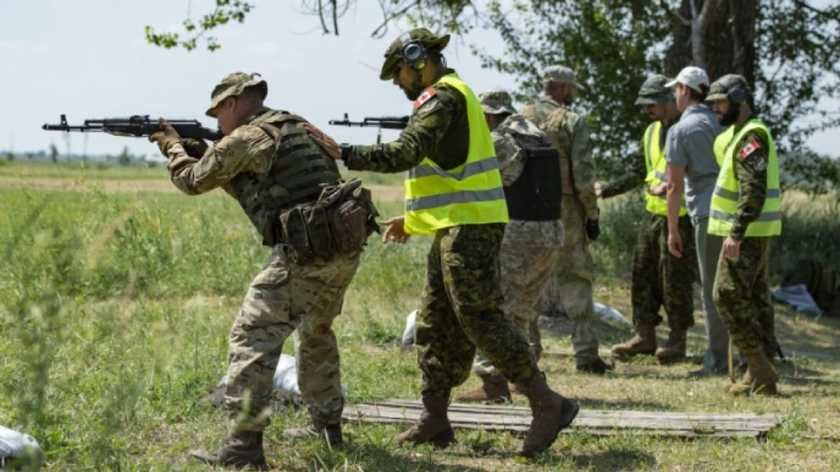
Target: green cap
(232, 86)
(655, 90)
(732, 87)
(394, 53)
(496, 102)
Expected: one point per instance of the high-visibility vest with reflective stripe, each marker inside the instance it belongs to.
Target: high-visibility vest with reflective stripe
(471, 193)
(655, 164)
(727, 189)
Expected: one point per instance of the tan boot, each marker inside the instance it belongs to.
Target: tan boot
(674, 348)
(239, 450)
(760, 378)
(643, 343)
(550, 412)
(494, 389)
(433, 427)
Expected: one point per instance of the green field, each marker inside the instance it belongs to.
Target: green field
(115, 308)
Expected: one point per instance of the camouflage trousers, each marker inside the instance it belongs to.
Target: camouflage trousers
(462, 311)
(742, 296)
(662, 280)
(530, 252)
(285, 296)
(569, 289)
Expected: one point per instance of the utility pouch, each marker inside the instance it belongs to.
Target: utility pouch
(295, 233)
(318, 228)
(349, 221)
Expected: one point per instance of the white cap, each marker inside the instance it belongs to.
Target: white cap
(692, 77)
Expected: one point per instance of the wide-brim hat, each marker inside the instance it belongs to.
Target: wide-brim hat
(232, 86)
(393, 55)
(496, 102)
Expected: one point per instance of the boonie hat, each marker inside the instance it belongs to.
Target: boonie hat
(654, 90)
(232, 86)
(692, 77)
(393, 55)
(496, 102)
(561, 74)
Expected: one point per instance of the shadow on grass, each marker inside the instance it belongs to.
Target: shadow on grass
(627, 404)
(621, 459)
(384, 457)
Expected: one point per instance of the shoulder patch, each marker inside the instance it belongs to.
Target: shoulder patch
(424, 97)
(752, 145)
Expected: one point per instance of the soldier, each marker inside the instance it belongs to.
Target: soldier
(746, 211)
(571, 286)
(454, 193)
(692, 171)
(531, 247)
(659, 278)
(258, 162)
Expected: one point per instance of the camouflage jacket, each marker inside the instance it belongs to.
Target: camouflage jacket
(437, 129)
(247, 149)
(569, 133)
(751, 172)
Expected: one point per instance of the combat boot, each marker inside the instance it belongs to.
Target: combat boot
(594, 365)
(330, 433)
(550, 413)
(643, 343)
(760, 377)
(494, 389)
(674, 348)
(239, 450)
(433, 427)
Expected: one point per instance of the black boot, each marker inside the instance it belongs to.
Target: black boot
(239, 450)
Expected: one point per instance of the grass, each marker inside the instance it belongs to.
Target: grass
(115, 308)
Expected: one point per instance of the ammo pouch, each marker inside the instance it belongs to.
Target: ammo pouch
(338, 222)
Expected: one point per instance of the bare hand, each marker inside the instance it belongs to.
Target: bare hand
(658, 190)
(166, 137)
(395, 230)
(675, 244)
(731, 248)
(327, 143)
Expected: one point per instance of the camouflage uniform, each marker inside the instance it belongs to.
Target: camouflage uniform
(284, 295)
(462, 298)
(742, 287)
(570, 288)
(530, 249)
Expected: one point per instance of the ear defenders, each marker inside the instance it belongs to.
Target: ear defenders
(413, 53)
(737, 94)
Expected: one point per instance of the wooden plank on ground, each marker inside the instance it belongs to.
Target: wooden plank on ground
(598, 422)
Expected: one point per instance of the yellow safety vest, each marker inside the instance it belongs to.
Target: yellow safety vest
(655, 164)
(727, 188)
(471, 193)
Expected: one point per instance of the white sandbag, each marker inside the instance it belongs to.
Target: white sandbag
(611, 316)
(14, 445)
(286, 380)
(410, 329)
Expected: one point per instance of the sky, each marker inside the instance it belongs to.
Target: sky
(89, 59)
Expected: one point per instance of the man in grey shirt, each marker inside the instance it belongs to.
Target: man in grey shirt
(692, 171)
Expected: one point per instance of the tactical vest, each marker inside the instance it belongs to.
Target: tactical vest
(655, 164)
(536, 195)
(560, 137)
(467, 194)
(727, 189)
(298, 171)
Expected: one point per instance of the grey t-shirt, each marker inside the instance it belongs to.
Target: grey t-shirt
(690, 143)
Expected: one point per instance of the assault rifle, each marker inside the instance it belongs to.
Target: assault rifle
(136, 125)
(381, 122)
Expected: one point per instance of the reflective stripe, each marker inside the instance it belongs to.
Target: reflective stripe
(768, 216)
(466, 196)
(730, 195)
(470, 169)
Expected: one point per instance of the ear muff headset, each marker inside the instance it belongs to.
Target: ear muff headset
(737, 94)
(413, 53)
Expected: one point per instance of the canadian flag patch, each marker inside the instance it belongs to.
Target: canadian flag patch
(424, 97)
(749, 148)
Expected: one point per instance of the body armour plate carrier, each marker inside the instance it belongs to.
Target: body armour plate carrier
(537, 194)
(298, 172)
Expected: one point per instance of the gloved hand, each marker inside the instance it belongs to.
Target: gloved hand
(194, 147)
(593, 229)
(167, 136)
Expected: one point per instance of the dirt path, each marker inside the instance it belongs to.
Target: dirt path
(380, 192)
